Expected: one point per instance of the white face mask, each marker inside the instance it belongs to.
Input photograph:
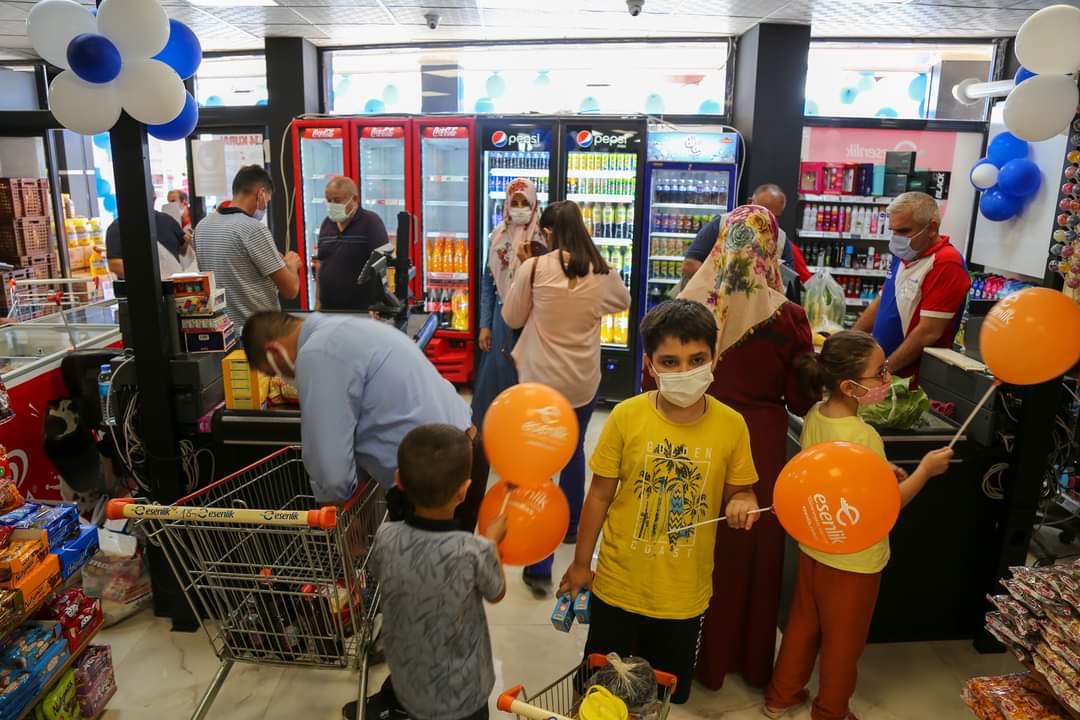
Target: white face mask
(900, 246)
(685, 388)
(274, 366)
(520, 216)
(260, 212)
(338, 212)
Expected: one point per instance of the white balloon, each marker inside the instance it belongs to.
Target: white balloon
(138, 28)
(51, 26)
(984, 176)
(150, 91)
(1046, 42)
(1041, 107)
(83, 107)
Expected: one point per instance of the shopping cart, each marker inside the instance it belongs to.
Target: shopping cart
(560, 700)
(274, 577)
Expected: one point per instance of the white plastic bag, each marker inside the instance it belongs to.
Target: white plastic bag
(824, 303)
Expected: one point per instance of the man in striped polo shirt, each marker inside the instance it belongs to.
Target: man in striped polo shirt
(239, 249)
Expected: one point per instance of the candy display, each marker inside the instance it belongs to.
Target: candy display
(59, 521)
(94, 679)
(60, 703)
(79, 615)
(77, 551)
(40, 583)
(19, 558)
(1011, 697)
(1064, 240)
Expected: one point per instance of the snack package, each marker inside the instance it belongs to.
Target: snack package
(10, 498)
(1062, 690)
(59, 521)
(824, 303)
(19, 559)
(1011, 697)
(61, 702)
(96, 682)
(562, 617)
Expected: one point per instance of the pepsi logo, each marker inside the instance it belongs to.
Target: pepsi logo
(499, 138)
(584, 138)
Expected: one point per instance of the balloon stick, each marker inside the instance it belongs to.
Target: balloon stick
(978, 407)
(677, 530)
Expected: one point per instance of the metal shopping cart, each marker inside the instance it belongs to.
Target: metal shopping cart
(274, 577)
(560, 700)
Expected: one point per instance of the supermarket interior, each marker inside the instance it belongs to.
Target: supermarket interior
(455, 359)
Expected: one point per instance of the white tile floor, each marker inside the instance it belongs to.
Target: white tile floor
(161, 675)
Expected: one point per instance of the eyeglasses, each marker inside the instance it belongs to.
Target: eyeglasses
(882, 374)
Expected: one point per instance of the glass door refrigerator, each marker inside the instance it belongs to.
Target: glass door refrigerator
(691, 178)
(384, 162)
(321, 151)
(604, 167)
(446, 229)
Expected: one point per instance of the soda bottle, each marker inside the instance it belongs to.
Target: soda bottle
(448, 255)
(620, 220)
(446, 306)
(104, 385)
(433, 255)
(607, 326)
(629, 232)
(662, 190)
(463, 308)
(586, 216)
(609, 219)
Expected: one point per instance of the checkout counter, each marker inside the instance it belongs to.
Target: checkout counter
(948, 543)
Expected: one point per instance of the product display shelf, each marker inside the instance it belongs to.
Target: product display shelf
(848, 199)
(849, 271)
(832, 235)
(59, 673)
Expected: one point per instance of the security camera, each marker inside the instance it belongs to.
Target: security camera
(433, 19)
(635, 7)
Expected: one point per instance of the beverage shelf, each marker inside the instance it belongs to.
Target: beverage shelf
(456, 236)
(613, 346)
(850, 271)
(613, 241)
(857, 302)
(665, 281)
(601, 174)
(448, 276)
(520, 172)
(679, 258)
(688, 206)
(577, 197)
(448, 178)
(496, 195)
(830, 235)
(847, 199)
(446, 203)
(665, 233)
(369, 176)
(385, 201)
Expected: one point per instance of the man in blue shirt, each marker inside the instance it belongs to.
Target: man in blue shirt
(363, 386)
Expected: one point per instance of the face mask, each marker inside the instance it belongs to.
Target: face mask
(685, 388)
(873, 396)
(900, 246)
(338, 212)
(520, 216)
(259, 212)
(274, 366)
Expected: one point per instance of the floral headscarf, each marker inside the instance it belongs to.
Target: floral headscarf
(507, 237)
(740, 280)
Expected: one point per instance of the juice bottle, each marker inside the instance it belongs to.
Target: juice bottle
(586, 216)
(448, 255)
(622, 327)
(606, 326)
(434, 255)
(98, 264)
(459, 257)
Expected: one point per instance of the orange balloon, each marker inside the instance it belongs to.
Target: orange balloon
(530, 432)
(837, 497)
(1031, 336)
(537, 519)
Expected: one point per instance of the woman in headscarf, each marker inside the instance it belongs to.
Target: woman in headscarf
(761, 336)
(510, 240)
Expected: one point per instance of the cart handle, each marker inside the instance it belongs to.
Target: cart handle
(509, 703)
(324, 518)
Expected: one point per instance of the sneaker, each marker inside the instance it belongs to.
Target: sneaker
(800, 700)
(539, 585)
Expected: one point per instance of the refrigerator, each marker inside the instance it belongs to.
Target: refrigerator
(445, 239)
(322, 149)
(691, 177)
(603, 163)
(384, 165)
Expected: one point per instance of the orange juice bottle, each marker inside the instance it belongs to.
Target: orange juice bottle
(448, 255)
(622, 327)
(434, 254)
(606, 326)
(459, 256)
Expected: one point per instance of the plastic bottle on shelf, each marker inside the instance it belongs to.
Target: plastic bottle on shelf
(628, 233)
(873, 226)
(434, 255)
(99, 265)
(622, 327)
(883, 223)
(606, 327)
(609, 220)
(620, 221)
(104, 386)
(586, 216)
(460, 257)
(808, 218)
(448, 255)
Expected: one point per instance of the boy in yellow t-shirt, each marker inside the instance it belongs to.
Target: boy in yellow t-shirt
(665, 461)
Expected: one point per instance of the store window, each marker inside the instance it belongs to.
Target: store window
(894, 80)
(215, 158)
(231, 81)
(18, 88)
(376, 81)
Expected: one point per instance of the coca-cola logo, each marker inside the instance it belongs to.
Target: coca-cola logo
(383, 132)
(324, 132)
(445, 132)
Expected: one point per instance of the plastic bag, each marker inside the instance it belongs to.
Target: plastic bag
(824, 303)
(631, 680)
(121, 583)
(902, 410)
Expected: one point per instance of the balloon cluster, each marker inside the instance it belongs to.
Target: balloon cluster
(129, 56)
(1043, 100)
(1006, 177)
(1065, 250)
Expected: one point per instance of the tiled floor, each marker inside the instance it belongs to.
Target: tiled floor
(161, 675)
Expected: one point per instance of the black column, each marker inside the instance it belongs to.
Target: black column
(770, 85)
(292, 82)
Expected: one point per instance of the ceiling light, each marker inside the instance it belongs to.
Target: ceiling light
(233, 3)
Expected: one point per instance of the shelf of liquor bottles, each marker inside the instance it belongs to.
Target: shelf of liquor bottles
(830, 235)
(847, 199)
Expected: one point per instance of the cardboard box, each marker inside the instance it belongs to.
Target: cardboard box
(199, 341)
(900, 163)
(895, 184)
(40, 583)
(562, 617)
(245, 387)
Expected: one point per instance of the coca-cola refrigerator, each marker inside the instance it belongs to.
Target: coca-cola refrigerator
(445, 239)
(322, 149)
(384, 162)
(603, 162)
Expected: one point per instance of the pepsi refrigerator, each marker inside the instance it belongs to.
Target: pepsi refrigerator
(691, 177)
(602, 167)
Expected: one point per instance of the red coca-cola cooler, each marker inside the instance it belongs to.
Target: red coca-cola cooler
(446, 238)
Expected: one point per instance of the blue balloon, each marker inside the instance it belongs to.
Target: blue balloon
(543, 78)
(922, 108)
(495, 86)
(391, 94)
(1023, 74)
(810, 108)
(916, 89)
(103, 187)
(180, 126)
(214, 101)
(374, 106)
(110, 203)
(865, 84)
(886, 112)
(183, 51)
(1006, 147)
(484, 105)
(262, 102)
(848, 95)
(93, 58)
(999, 206)
(709, 107)
(102, 141)
(1020, 177)
(654, 105)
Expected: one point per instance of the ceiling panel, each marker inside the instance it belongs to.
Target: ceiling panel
(256, 15)
(9, 11)
(304, 31)
(447, 16)
(345, 15)
(436, 3)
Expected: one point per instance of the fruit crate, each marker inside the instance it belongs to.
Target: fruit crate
(41, 267)
(22, 238)
(24, 198)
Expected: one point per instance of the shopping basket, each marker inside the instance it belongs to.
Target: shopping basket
(560, 700)
(274, 577)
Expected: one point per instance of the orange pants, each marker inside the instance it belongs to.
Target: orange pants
(830, 613)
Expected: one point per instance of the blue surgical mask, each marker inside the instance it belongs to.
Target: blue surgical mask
(900, 246)
(259, 214)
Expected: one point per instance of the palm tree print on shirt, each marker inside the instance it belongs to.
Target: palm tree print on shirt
(671, 494)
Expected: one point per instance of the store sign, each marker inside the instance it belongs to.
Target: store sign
(586, 139)
(447, 132)
(382, 133)
(694, 147)
(520, 141)
(322, 133)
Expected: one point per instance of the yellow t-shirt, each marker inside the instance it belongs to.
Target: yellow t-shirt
(670, 475)
(820, 429)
